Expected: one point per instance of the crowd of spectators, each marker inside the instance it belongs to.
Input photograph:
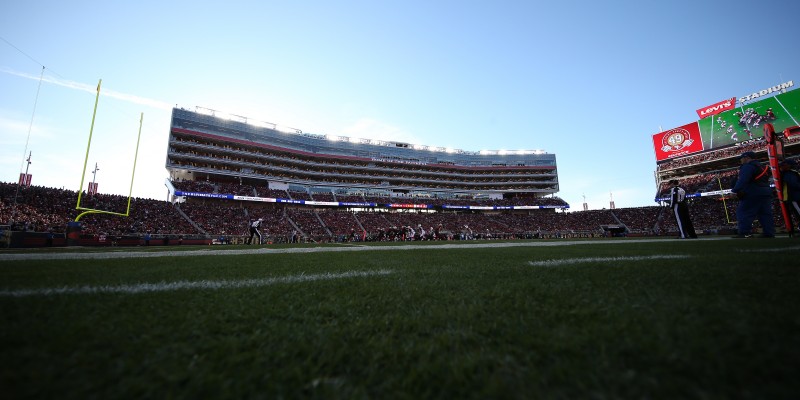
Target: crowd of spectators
(193, 186)
(350, 198)
(343, 225)
(700, 183)
(276, 226)
(372, 221)
(266, 192)
(217, 217)
(307, 221)
(730, 152)
(704, 182)
(299, 195)
(323, 196)
(709, 213)
(713, 155)
(49, 210)
(43, 209)
(639, 219)
(249, 190)
(712, 214)
(36, 208)
(145, 216)
(235, 189)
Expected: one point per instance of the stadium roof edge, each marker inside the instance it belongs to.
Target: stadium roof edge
(258, 123)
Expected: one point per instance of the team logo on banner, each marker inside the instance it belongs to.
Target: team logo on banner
(677, 142)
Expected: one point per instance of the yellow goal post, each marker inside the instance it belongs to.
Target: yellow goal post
(86, 159)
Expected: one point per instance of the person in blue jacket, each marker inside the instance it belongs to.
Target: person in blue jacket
(755, 197)
(790, 191)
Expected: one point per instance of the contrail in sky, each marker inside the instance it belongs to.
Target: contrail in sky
(93, 89)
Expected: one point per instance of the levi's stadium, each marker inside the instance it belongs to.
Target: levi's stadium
(400, 270)
(226, 171)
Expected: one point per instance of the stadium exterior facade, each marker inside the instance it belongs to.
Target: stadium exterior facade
(203, 146)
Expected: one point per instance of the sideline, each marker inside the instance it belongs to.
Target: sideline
(782, 249)
(301, 250)
(569, 261)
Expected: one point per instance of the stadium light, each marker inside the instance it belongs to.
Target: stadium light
(204, 111)
(238, 118)
(285, 129)
(260, 124)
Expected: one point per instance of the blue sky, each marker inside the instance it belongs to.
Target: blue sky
(588, 81)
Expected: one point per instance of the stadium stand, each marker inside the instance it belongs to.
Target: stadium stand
(43, 210)
(203, 147)
(309, 187)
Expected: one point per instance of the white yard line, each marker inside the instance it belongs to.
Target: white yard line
(186, 285)
(569, 261)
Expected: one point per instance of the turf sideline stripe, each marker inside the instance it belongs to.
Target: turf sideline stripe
(303, 250)
(186, 285)
(775, 250)
(568, 261)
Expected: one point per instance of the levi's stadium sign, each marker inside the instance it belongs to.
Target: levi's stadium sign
(717, 108)
(730, 104)
(764, 92)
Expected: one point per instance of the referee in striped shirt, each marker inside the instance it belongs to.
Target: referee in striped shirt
(677, 202)
(254, 231)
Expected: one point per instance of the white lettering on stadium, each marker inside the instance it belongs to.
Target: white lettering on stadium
(398, 161)
(723, 105)
(775, 89)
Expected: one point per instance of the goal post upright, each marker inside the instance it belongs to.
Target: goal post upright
(86, 160)
(88, 146)
(135, 158)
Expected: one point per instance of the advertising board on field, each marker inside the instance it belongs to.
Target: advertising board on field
(721, 125)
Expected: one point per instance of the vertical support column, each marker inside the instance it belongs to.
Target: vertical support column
(774, 144)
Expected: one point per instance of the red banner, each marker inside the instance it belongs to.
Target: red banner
(92, 188)
(717, 108)
(25, 179)
(678, 142)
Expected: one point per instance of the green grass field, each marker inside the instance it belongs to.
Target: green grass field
(621, 318)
